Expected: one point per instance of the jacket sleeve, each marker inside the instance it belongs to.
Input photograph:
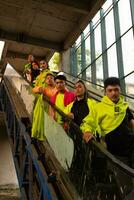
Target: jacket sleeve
(89, 123)
(67, 109)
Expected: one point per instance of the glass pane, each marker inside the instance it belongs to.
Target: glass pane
(106, 5)
(112, 63)
(98, 45)
(96, 18)
(86, 31)
(110, 30)
(99, 71)
(130, 89)
(78, 40)
(125, 15)
(88, 51)
(78, 59)
(128, 52)
(88, 74)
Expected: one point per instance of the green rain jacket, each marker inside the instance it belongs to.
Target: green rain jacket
(38, 120)
(40, 80)
(105, 117)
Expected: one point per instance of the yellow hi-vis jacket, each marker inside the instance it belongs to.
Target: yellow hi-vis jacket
(90, 102)
(105, 117)
(40, 80)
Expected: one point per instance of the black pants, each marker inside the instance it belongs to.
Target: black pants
(122, 145)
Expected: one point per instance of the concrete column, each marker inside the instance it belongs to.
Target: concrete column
(65, 61)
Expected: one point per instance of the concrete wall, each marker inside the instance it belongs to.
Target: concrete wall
(65, 61)
(7, 170)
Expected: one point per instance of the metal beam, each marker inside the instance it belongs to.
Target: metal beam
(13, 55)
(118, 44)
(92, 47)
(26, 39)
(75, 5)
(73, 61)
(83, 56)
(104, 44)
(132, 12)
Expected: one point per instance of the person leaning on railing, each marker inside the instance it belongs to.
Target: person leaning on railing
(35, 71)
(44, 70)
(81, 106)
(114, 122)
(27, 67)
(38, 114)
(62, 98)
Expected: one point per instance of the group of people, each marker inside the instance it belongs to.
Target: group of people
(35, 71)
(111, 119)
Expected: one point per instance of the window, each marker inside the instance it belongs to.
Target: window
(86, 31)
(110, 30)
(128, 52)
(112, 61)
(88, 51)
(121, 39)
(125, 15)
(88, 73)
(98, 44)
(78, 41)
(79, 59)
(107, 5)
(99, 71)
(96, 18)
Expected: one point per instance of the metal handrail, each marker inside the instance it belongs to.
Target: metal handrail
(125, 95)
(115, 161)
(127, 75)
(129, 171)
(26, 153)
(96, 144)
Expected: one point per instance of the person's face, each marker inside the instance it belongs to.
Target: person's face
(43, 64)
(113, 92)
(30, 58)
(79, 89)
(60, 84)
(35, 66)
(49, 80)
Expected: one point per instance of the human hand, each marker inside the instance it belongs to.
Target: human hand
(40, 90)
(70, 115)
(87, 136)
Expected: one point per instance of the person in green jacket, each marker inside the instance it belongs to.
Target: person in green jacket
(41, 77)
(113, 121)
(27, 67)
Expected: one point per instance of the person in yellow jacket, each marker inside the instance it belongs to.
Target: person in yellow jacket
(81, 106)
(113, 120)
(38, 131)
(27, 67)
(41, 77)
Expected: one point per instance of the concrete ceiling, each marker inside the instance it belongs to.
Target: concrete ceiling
(41, 27)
